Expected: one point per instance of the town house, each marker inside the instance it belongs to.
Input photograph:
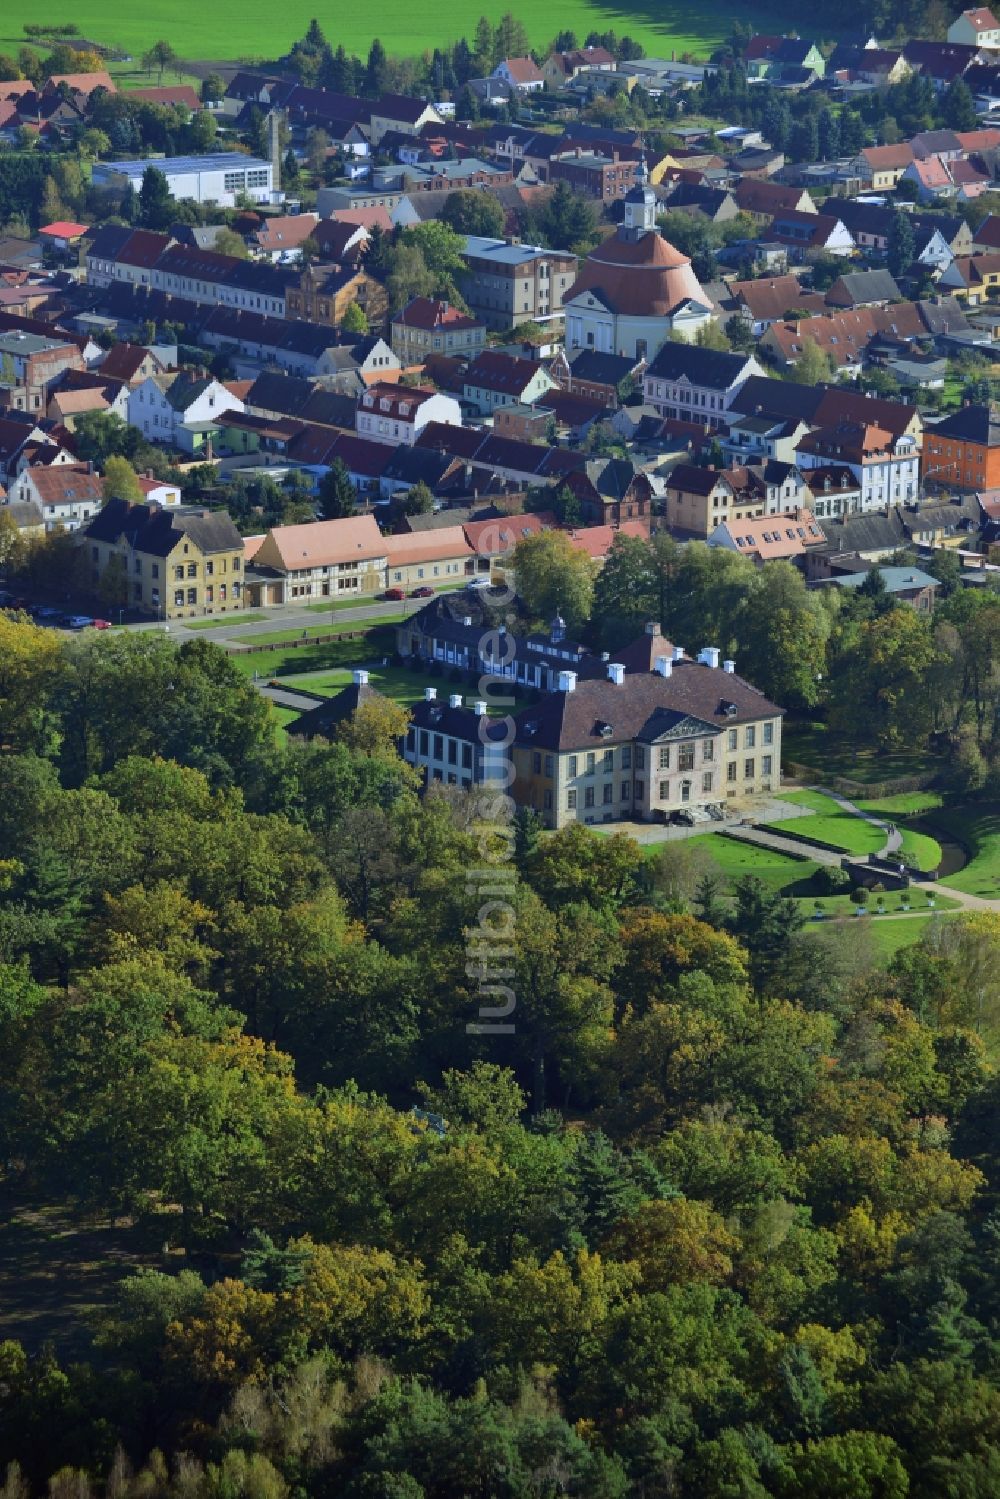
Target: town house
(427, 325)
(396, 414)
(693, 384)
(171, 563)
(319, 559)
(494, 379)
(180, 410)
(886, 467)
(67, 494)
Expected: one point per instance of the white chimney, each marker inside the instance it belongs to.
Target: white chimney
(678, 653)
(480, 708)
(663, 665)
(430, 693)
(360, 677)
(652, 627)
(455, 701)
(709, 655)
(567, 681)
(730, 667)
(616, 673)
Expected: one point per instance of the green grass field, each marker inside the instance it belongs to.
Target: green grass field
(887, 934)
(829, 823)
(226, 623)
(793, 877)
(252, 29)
(734, 859)
(909, 804)
(294, 631)
(979, 831)
(393, 681)
(333, 655)
(920, 850)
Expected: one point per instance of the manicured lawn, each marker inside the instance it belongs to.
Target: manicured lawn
(373, 645)
(253, 29)
(887, 934)
(226, 623)
(908, 804)
(978, 829)
(294, 631)
(830, 824)
(920, 850)
(793, 877)
(394, 681)
(776, 870)
(842, 905)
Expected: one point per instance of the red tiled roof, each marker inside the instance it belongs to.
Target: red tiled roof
(647, 277)
(501, 533)
(523, 70)
(180, 93)
(787, 534)
(81, 83)
(431, 313)
(64, 229)
(982, 18)
(596, 540)
(888, 158)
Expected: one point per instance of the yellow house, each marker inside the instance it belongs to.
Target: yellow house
(427, 557)
(974, 279)
(171, 563)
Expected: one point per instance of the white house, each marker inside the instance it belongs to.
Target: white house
(178, 410)
(397, 414)
(886, 467)
(66, 494)
(220, 178)
(521, 74)
(692, 384)
(975, 28)
(635, 289)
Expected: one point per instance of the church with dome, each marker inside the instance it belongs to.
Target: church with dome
(634, 290)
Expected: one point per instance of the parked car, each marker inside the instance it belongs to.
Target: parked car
(76, 621)
(394, 593)
(423, 592)
(47, 615)
(101, 624)
(478, 583)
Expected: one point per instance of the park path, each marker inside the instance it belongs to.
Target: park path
(963, 898)
(894, 838)
(749, 834)
(284, 697)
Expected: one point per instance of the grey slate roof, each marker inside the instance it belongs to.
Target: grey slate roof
(156, 531)
(573, 720)
(323, 721)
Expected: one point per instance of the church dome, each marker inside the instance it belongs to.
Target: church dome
(643, 277)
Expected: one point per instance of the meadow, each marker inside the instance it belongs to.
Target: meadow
(252, 29)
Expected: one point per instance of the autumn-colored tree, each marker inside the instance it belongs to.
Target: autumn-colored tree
(376, 727)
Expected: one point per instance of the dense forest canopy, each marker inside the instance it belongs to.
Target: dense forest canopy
(718, 1218)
